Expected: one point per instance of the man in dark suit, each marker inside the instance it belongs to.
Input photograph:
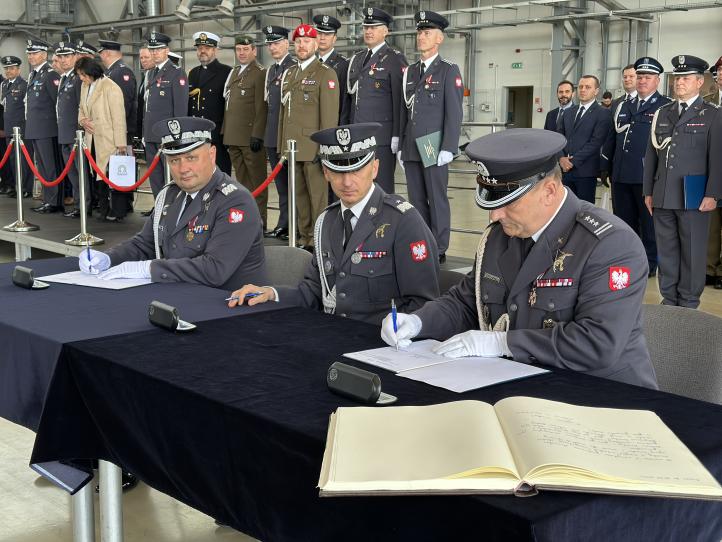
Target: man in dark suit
(206, 83)
(586, 128)
(565, 96)
(327, 27)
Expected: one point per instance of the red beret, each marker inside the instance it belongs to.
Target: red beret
(304, 31)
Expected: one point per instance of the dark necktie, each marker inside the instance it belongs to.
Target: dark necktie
(682, 108)
(62, 81)
(422, 69)
(347, 227)
(580, 112)
(154, 74)
(629, 97)
(640, 103)
(32, 77)
(560, 119)
(526, 245)
(367, 58)
(186, 204)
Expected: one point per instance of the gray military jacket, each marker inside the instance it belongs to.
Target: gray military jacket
(689, 145)
(42, 93)
(575, 302)
(67, 107)
(167, 97)
(13, 100)
(391, 255)
(217, 242)
(274, 74)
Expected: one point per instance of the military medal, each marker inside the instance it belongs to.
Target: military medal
(532, 296)
(327, 266)
(189, 235)
(548, 323)
(559, 260)
(356, 258)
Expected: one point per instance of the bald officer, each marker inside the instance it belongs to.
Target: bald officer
(374, 83)
(41, 124)
(244, 122)
(433, 94)
(206, 83)
(685, 143)
(309, 102)
(556, 281)
(205, 227)
(166, 97)
(371, 247)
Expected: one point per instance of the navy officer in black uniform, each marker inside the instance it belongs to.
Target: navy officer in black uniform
(12, 94)
(556, 281)
(374, 83)
(371, 247)
(205, 227)
(206, 84)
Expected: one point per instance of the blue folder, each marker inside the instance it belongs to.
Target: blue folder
(694, 189)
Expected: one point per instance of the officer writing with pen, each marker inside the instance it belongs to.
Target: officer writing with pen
(371, 247)
(204, 228)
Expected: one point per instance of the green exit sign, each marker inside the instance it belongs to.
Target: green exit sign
(517, 65)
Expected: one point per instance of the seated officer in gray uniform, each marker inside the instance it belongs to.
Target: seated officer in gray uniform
(371, 247)
(204, 227)
(556, 281)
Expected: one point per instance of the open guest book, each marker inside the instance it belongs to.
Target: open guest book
(520, 445)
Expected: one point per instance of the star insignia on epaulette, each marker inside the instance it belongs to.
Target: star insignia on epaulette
(404, 206)
(227, 189)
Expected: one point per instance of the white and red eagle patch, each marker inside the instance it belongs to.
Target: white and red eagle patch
(419, 252)
(182, 82)
(235, 216)
(458, 82)
(619, 278)
(126, 77)
(332, 84)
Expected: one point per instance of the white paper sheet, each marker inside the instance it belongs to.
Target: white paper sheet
(419, 362)
(79, 278)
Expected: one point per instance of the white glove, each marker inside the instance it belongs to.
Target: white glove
(487, 344)
(401, 162)
(128, 270)
(97, 262)
(408, 326)
(445, 157)
(394, 144)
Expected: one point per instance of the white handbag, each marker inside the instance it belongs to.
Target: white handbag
(121, 170)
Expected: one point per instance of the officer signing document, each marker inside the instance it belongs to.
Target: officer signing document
(204, 228)
(371, 247)
(556, 280)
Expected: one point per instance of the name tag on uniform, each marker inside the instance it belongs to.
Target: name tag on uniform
(308, 82)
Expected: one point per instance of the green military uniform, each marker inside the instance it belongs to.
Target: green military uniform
(309, 102)
(245, 120)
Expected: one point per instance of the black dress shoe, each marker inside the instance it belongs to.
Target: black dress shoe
(115, 219)
(74, 213)
(146, 213)
(5, 189)
(27, 195)
(709, 280)
(718, 283)
(442, 258)
(652, 273)
(12, 194)
(46, 208)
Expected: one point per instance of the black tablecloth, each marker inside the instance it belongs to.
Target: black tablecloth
(232, 421)
(34, 324)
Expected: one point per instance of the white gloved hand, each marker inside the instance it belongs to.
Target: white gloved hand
(487, 344)
(394, 144)
(408, 326)
(97, 262)
(128, 270)
(401, 162)
(445, 157)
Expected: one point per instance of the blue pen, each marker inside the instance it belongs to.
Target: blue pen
(90, 267)
(247, 296)
(393, 319)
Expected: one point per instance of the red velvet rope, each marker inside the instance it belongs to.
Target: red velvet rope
(37, 173)
(6, 155)
(114, 186)
(272, 176)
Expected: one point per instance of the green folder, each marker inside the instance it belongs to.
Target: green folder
(428, 146)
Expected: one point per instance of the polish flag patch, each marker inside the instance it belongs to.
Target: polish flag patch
(619, 278)
(235, 216)
(419, 252)
(182, 82)
(126, 77)
(458, 82)
(332, 84)
(403, 69)
(57, 82)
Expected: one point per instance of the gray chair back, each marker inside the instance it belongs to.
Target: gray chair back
(686, 350)
(286, 265)
(447, 279)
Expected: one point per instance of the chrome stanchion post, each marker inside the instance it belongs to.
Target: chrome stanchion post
(83, 515)
(19, 225)
(83, 238)
(291, 192)
(111, 502)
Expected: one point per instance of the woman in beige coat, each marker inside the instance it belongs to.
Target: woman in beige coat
(102, 116)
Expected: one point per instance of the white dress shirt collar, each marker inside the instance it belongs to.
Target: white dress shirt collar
(306, 63)
(359, 207)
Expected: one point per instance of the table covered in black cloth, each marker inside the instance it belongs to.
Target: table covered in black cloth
(34, 324)
(232, 420)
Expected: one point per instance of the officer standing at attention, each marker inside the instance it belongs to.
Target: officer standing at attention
(123, 76)
(686, 141)
(67, 107)
(714, 245)
(433, 94)
(632, 126)
(166, 97)
(12, 93)
(327, 28)
(205, 229)
(205, 83)
(556, 281)
(371, 247)
(309, 102)
(41, 125)
(277, 43)
(244, 123)
(374, 83)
